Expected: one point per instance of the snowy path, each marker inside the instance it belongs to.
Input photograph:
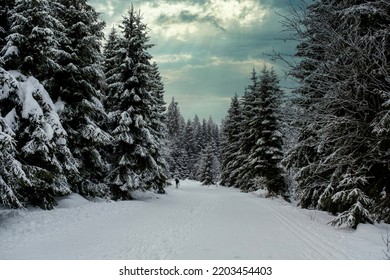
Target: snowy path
(192, 222)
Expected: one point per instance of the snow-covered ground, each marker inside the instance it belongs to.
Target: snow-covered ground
(192, 222)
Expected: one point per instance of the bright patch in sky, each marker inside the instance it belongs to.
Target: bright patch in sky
(181, 20)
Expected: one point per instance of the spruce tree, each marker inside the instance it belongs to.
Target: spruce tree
(197, 148)
(12, 176)
(110, 64)
(190, 147)
(33, 39)
(342, 150)
(159, 150)
(244, 176)
(32, 47)
(134, 116)
(174, 119)
(252, 147)
(208, 166)
(266, 154)
(5, 23)
(176, 132)
(78, 86)
(39, 140)
(230, 147)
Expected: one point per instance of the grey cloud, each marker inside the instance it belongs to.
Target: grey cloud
(186, 16)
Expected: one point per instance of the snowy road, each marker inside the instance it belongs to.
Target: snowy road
(192, 222)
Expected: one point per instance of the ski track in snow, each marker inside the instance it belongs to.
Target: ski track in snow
(192, 222)
(309, 238)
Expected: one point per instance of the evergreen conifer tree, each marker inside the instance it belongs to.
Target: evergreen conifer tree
(266, 154)
(344, 74)
(174, 120)
(230, 147)
(244, 176)
(33, 38)
(12, 176)
(208, 166)
(39, 138)
(190, 147)
(5, 23)
(196, 148)
(133, 112)
(252, 141)
(32, 47)
(112, 61)
(176, 132)
(159, 151)
(77, 85)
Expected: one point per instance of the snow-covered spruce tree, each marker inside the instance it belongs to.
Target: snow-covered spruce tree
(344, 72)
(212, 135)
(39, 137)
(133, 112)
(32, 43)
(204, 137)
(177, 153)
(190, 147)
(267, 153)
(31, 47)
(12, 176)
(113, 85)
(159, 151)
(77, 86)
(244, 175)
(5, 23)
(208, 166)
(230, 146)
(111, 62)
(261, 140)
(174, 119)
(197, 147)
(179, 160)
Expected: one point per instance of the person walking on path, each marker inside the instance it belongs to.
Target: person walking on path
(177, 183)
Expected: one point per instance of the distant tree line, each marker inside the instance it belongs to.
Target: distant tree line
(194, 146)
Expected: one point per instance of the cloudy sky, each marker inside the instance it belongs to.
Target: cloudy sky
(206, 49)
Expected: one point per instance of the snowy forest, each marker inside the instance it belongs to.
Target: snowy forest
(85, 114)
